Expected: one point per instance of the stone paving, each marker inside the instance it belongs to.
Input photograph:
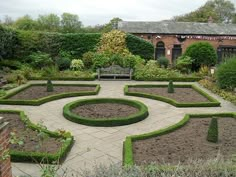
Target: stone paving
(103, 145)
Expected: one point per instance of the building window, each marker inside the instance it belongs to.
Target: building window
(160, 49)
(149, 37)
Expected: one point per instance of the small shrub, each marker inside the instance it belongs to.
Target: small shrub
(88, 59)
(9, 86)
(226, 74)
(212, 134)
(2, 93)
(171, 87)
(16, 77)
(49, 71)
(77, 65)
(163, 62)
(101, 60)
(49, 86)
(184, 64)
(12, 64)
(63, 63)
(27, 71)
(131, 61)
(40, 60)
(203, 71)
(201, 53)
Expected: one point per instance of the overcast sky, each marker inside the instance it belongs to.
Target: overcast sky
(92, 12)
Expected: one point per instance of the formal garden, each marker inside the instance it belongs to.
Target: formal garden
(53, 74)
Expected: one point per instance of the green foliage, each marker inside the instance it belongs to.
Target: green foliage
(139, 47)
(87, 59)
(131, 61)
(40, 60)
(2, 93)
(226, 74)
(12, 64)
(184, 64)
(201, 53)
(171, 87)
(49, 86)
(212, 134)
(113, 24)
(101, 60)
(77, 65)
(203, 71)
(227, 95)
(16, 77)
(70, 23)
(25, 23)
(8, 38)
(163, 62)
(50, 22)
(63, 63)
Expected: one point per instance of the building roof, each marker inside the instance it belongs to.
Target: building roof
(171, 27)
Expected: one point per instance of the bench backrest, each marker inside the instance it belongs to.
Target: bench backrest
(115, 69)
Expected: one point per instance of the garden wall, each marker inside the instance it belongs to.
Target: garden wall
(5, 163)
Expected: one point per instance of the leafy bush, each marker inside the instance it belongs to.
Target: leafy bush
(49, 72)
(171, 87)
(163, 62)
(139, 47)
(88, 59)
(12, 64)
(184, 64)
(63, 60)
(77, 65)
(40, 60)
(226, 74)
(201, 53)
(2, 93)
(16, 77)
(152, 70)
(203, 71)
(131, 61)
(100, 61)
(212, 134)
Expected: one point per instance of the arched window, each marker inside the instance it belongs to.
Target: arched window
(160, 49)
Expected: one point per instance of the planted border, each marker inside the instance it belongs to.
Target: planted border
(21, 156)
(142, 114)
(176, 79)
(65, 78)
(4, 100)
(127, 146)
(212, 102)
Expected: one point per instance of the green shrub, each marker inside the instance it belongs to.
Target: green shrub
(88, 59)
(77, 65)
(139, 47)
(226, 74)
(101, 60)
(131, 61)
(40, 60)
(16, 77)
(49, 86)
(2, 93)
(171, 87)
(49, 72)
(63, 60)
(12, 64)
(163, 62)
(184, 64)
(212, 134)
(201, 53)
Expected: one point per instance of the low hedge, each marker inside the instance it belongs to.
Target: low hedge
(212, 102)
(176, 79)
(128, 158)
(21, 156)
(142, 114)
(65, 78)
(5, 100)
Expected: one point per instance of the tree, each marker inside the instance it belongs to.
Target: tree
(8, 21)
(234, 19)
(70, 23)
(113, 24)
(49, 22)
(220, 10)
(25, 23)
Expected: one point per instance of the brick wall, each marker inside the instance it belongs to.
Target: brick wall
(5, 165)
(171, 40)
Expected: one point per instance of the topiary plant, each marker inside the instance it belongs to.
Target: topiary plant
(87, 59)
(49, 86)
(212, 134)
(171, 87)
(201, 53)
(163, 62)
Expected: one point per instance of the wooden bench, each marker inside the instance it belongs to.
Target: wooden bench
(114, 71)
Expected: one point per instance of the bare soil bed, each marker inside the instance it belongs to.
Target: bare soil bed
(181, 95)
(31, 139)
(187, 143)
(104, 110)
(37, 92)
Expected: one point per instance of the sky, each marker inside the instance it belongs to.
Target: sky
(93, 12)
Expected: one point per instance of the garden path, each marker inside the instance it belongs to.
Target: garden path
(96, 145)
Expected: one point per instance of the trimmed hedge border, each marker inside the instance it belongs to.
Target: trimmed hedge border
(212, 102)
(4, 100)
(127, 145)
(21, 156)
(65, 78)
(141, 115)
(176, 79)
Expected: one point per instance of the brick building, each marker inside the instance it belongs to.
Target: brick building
(172, 38)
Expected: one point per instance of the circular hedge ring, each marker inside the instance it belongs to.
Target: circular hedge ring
(141, 114)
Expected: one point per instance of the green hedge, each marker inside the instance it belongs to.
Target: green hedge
(138, 46)
(176, 79)
(5, 100)
(21, 156)
(142, 114)
(8, 42)
(212, 134)
(128, 158)
(212, 102)
(65, 78)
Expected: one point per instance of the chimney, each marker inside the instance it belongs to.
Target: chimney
(210, 19)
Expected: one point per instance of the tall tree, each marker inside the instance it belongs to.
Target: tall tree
(25, 23)
(8, 21)
(49, 22)
(70, 23)
(113, 24)
(221, 11)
